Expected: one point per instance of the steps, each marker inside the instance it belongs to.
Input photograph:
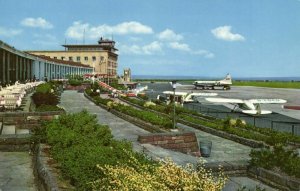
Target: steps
(106, 86)
(14, 139)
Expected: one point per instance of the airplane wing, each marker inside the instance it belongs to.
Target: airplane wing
(267, 101)
(255, 112)
(224, 100)
(176, 93)
(204, 94)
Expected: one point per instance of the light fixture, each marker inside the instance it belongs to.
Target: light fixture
(174, 88)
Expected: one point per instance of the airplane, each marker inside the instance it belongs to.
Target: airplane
(138, 90)
(183, 97)
(251, 106)
(225, 83)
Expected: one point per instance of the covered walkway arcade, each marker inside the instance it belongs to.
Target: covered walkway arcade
(16, 65)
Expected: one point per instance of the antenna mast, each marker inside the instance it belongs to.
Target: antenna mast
(84, 36)
(65, 43)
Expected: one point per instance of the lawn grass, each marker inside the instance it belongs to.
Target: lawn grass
(269, 84)
(273, 84)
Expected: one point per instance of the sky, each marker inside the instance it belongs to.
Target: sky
(208, 38)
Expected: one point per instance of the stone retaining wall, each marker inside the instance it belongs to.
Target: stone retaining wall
(230, 168)
(28, 120)
(22, 120)
(185, 142)
(48, 175)
(15, 143)
(274, 179)
(235, 138)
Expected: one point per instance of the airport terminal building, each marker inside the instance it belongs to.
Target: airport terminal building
(102, 56)
(16, 65)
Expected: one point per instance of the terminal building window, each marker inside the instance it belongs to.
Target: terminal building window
(71, 58)
(55, 57)
(94, 58)
(78, 58)
(86, 58)
(62, 57)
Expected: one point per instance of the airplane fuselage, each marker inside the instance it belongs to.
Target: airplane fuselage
(225, 83)
(210, 84)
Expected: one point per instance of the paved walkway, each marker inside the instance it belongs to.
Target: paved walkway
(16, 172)
(223, 150)
(16, 168)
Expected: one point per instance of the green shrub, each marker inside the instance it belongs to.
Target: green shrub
(280, 157)
(98, 100)
(147, 116)
(43, 108)
(75, 82)
(88, 91)
(44, 88)
(117, 86)
(143, 97)
(78, 144)
(92, 92)
(277, 137)
(40, 98)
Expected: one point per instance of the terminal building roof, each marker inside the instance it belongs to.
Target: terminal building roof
(66, 62)
(103, 44)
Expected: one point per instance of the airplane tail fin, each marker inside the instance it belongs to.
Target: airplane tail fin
(227, 79)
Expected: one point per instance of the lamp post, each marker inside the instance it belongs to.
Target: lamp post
(174, 88)
(93, 77)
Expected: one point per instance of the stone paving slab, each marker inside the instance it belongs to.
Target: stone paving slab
(22, 131)
(9, 130)
(16, 172)
(222, 149)
(237, 183)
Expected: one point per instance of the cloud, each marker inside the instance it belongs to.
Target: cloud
(149, 49)
(45, 40)
(179, 46)
(94, 32)
(36, 23)
(169, 35)
(224, 33)
(6, 32)
(135, 39)
(154, 47)
(204, 53)
(185, 47)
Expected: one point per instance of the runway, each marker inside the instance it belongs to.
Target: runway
(248, 92)
(281, 119)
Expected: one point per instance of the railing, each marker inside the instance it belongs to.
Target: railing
(276, 121)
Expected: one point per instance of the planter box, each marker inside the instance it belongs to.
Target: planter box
(275, 179)
(185, 142)
(77, 88)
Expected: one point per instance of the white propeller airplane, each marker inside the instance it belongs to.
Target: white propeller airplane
(225, 83)
(251, 106)
(186, 97)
